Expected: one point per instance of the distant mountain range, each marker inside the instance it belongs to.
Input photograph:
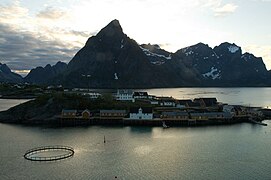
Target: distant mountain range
(112, 60)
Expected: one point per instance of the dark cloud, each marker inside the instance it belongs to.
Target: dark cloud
(25, 50)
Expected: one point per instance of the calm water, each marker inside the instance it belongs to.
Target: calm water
(242, 96)
(239, 151)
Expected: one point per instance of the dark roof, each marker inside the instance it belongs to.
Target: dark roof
(194, 104)
(140, 94)
(207, 101)
(125, 91)
(144, 109)
(185, 102)
(175, 113)
(112, 111)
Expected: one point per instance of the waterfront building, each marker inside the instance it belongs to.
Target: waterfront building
(141, 113)
(86, 114)
(112, 114)
(210, 115)
(68, 113)
(183, 115)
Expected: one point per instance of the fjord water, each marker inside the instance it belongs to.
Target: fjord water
(240, 151)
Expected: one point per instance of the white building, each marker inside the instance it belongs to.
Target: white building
(125, 95)
(141, 113)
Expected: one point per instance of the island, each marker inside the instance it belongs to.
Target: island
(84, 107)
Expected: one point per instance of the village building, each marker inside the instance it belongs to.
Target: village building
(94, 95)
(229, 109)
(112, 114)
(140, 95)
(125, 95)
(210, 115)
(175, 115)
(68, 113)
(141, 113)
(184, 103)
(167, 101)
(86, 114)
(206, 102)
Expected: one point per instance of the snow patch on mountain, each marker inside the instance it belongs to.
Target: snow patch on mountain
(189, 53)
(149, 53)
(116, 76)
(214, 73)
(233, 49)
(216, 55)
(121, 46)
(158, 62)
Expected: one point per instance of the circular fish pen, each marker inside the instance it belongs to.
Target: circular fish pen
(49, 153)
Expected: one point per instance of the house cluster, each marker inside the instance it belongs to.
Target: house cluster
(163, 108)
(76, 114)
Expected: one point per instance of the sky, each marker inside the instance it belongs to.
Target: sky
(36, 33)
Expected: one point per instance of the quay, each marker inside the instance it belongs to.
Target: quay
(163, 111)
(152, 122)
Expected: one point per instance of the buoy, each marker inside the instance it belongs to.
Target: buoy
(104, 139)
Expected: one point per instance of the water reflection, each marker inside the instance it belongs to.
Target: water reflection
(141, 130)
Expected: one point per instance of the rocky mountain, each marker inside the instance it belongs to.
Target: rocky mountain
(113, 60)
(43, 75)
(7, 76)
(225, 65)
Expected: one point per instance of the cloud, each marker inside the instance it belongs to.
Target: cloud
(51, 13)
(225, 10)
(27, 42)
(24, 51)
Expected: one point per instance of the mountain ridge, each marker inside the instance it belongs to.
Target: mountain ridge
(111, 59)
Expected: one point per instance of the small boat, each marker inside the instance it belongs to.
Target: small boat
(164, 125)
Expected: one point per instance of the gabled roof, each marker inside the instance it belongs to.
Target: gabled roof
(125, 91)
(207, 101)
(185, 102)
(140, 94)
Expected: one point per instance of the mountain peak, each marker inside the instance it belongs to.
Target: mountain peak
(229, 48)
(112, 29)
